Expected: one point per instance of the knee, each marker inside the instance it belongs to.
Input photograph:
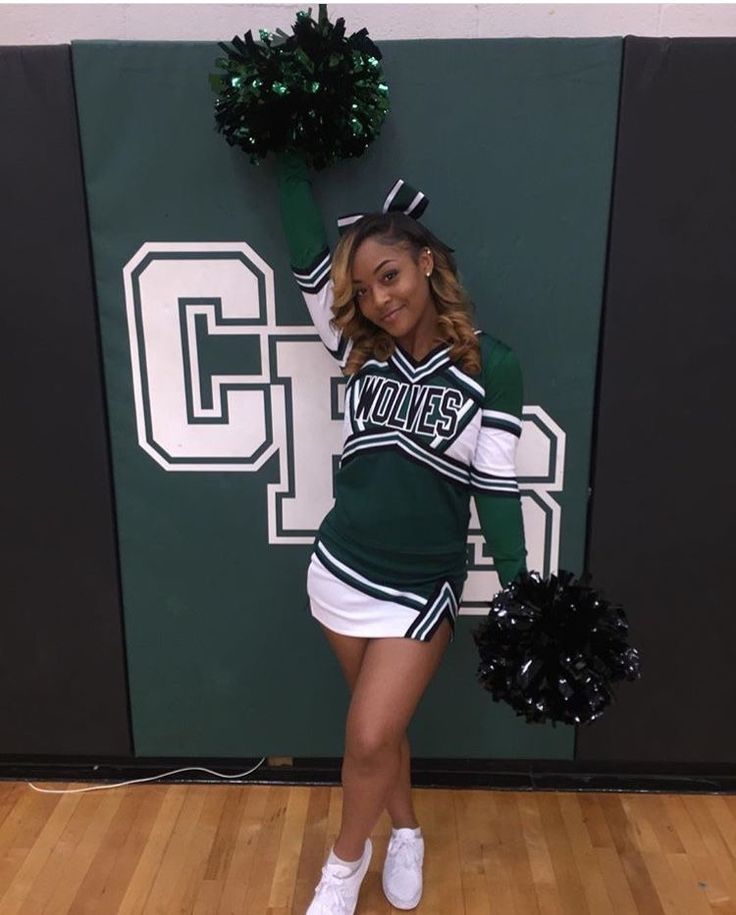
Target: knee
(369, 744)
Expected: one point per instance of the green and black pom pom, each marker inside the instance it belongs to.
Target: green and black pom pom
(317, 91)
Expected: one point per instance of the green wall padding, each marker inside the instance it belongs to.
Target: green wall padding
(513, 143)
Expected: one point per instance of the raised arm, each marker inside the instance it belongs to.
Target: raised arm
(495, 487)
(309, 252)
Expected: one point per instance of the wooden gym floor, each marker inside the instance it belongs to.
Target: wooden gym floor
(258, 850)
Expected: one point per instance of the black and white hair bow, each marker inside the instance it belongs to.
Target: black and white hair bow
(402, 197)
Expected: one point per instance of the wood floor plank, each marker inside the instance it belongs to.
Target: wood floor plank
(241, 849)
(714, 867)
(191, 875)
(174, 858)
(625, 841)
(67, 867)
(648, 834)
(567, 875)
(244, 857)
(499, 886)
(218, 858)
(441, 851)
(725, 820)
(594, 886)
(540, 860)
(595, 821)
(35, 857)
(471, 832)
(312, 854)
(143, 877)
(617, 883)
(660, 871)
(287, 857)
(20, 830)
(510, 832)
(703, 870)
(690, 891)
(119, 851)
(267, 845)
(10, 793)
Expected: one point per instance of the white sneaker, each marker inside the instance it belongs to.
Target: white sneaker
(337, 891)
(402, 869)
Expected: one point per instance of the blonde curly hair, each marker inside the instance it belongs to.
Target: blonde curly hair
(454, 306)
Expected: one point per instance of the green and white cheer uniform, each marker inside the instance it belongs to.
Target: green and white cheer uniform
(419, 438)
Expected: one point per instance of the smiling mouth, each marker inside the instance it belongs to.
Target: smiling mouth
(390, 314)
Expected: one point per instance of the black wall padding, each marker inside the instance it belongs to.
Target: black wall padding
(664, 502)
(62, 670)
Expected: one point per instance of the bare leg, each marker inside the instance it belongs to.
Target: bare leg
(393, 677)
(399, 804)
(350, 651)
(366, 781)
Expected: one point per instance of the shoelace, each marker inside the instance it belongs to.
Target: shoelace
(331, 888)
(405, 851)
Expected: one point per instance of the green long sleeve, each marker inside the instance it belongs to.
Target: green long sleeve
(300, 214)
(502, 525)
(495, 486)
(309, 253)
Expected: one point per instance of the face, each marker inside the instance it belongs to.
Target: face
(391, 290)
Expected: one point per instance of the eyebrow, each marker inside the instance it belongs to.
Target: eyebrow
(387, 261)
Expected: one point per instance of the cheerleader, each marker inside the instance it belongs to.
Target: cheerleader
(432, 417)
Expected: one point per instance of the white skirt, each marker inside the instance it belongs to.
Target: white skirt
(347, 610)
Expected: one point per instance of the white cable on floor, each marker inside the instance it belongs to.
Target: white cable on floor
(136, 781)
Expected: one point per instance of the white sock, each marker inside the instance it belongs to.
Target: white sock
(334, 859)
(416, 832)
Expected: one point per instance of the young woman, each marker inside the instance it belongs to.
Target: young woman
(432, 416)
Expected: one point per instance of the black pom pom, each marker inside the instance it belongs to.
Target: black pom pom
(551, 648)
(316, 91)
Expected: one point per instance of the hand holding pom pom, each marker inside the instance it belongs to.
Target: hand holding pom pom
(316, 92)
(551, 649)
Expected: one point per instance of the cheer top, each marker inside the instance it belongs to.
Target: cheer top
(419, 437)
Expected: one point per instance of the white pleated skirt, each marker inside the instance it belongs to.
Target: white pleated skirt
(349, 611)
